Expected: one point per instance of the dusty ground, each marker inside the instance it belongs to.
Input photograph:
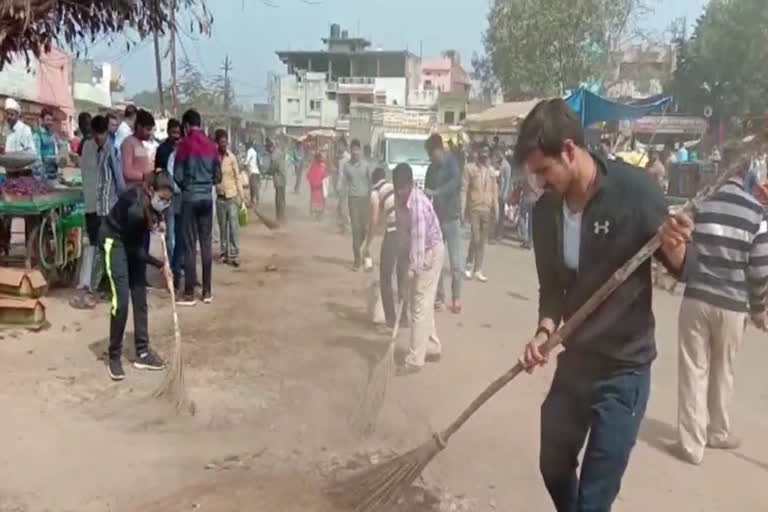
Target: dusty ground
(276, 366)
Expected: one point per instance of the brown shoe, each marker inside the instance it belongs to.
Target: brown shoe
(433, 358)
(733, 442)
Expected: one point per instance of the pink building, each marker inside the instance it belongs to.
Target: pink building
(444, 74)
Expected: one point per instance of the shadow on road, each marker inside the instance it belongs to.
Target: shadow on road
(340, 262)
(760, 464)
(370, 349)
(657, 434)
(100, 348)
(349, 314)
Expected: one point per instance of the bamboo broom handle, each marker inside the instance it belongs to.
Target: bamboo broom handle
(581, 314)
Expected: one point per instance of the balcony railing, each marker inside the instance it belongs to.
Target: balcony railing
(357, 80)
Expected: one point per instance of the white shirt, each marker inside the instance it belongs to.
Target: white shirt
(123, 132)
(20, 139)
(252, 161)
(571, 237)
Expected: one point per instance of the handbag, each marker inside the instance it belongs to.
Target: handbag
(242, 215)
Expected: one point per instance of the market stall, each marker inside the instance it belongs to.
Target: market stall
(41, 226)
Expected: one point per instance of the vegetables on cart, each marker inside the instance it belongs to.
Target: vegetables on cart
(25, 186)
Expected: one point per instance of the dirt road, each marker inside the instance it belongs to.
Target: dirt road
(276, 366)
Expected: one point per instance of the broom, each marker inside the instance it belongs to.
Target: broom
(271, 224)
(378, 489)
(172, 387)
(378, 382)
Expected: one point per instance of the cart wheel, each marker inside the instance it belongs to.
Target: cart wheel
(41, 251)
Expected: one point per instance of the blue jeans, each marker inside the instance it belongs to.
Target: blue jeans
(610, 407)
(452, 238)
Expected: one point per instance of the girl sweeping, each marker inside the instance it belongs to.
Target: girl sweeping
(316, 177)
(138, 211)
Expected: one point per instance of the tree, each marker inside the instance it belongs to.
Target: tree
(543, 47)
(193, 89)
(723, 65)
(32, 26)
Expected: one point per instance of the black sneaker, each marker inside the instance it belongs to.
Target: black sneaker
(115, 369)
(207, 298)
(235, 263)
(149, 361)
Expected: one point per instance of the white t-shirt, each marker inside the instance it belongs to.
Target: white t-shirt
(571, 237)
(123, 132)
(252, 161)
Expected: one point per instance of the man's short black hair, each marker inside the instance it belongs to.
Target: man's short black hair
(45, 112)
(84, 122)
(547, 127)
(355, 144)
(130, 111)
(219, 134)
(192, 118)
(99, 124)
(435, 141)
(145, 119)
(402, 176)
(173, 123)
(379, 174)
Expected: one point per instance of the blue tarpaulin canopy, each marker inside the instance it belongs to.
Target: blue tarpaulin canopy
(592, 108)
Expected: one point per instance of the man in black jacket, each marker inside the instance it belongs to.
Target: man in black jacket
(594, 215)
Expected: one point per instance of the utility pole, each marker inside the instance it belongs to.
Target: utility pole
(174, 90)
(227, 90)
(158, 66)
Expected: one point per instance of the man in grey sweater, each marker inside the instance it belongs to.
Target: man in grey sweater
(357, 181)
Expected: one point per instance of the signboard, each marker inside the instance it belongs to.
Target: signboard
(675, 125)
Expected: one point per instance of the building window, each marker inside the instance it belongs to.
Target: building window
(450, 117)
(427, 84)
(314, 105)
(293, 106)
(462, 116)
(381, 99)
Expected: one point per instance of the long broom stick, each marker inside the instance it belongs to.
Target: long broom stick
(271, 224)
(378, 382)
(379, 488)
(172, 387)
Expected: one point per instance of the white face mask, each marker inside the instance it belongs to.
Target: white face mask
(159, 204)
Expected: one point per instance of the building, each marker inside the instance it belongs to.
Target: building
(320, 86)
(642, 72)
(445, 74)
(92, 85)
(37, 84)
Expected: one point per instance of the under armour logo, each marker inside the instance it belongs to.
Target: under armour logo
(602, 229)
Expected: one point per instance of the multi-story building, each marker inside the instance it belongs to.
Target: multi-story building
(320, 86)
(642, 72)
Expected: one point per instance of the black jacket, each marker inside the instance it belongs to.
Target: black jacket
(126, 223)
(443, 184)
(625, 212)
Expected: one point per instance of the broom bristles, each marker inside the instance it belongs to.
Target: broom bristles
(379, 488)
(172, 387)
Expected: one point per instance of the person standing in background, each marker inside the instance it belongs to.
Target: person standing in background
(479, 201)
(316, 177)
(134, 156)
(443, 186)
(19, 138)
(298, 165)
(112, 125)
(357, 177)
(230, 196)
(254, 175)
(163, 162)
(422, 247)
(504, 183)
(196, 169)
(126, 128)
(47, 143)
(726, 286)
(682, 153)
(339, 187)
(89, 172)
(274, 166)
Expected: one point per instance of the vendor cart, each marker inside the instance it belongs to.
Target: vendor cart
(48, 230)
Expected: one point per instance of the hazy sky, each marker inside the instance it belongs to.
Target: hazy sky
(250, 32)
